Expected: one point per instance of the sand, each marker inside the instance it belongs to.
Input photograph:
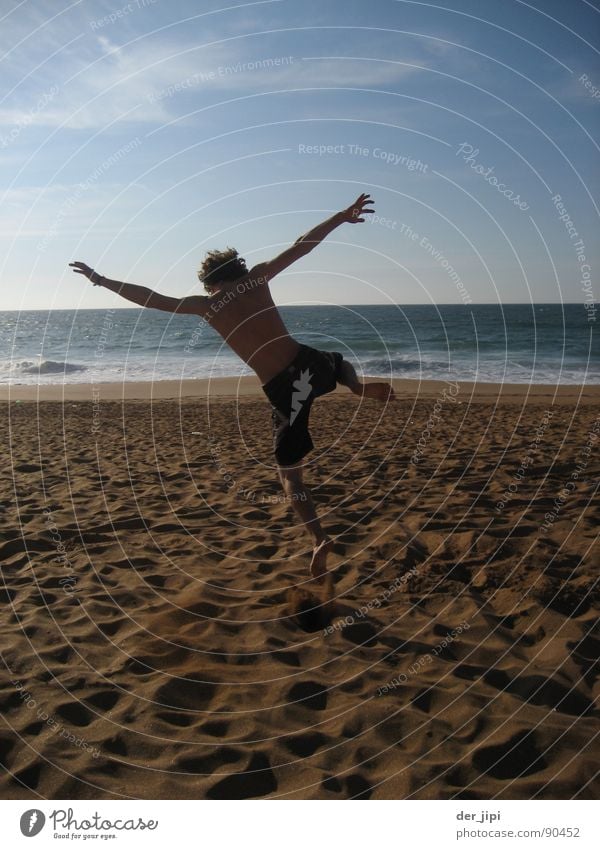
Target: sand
(152, 637)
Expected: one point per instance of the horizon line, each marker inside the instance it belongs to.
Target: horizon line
(364, 304)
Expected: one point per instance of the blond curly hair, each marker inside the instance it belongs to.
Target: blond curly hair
(220, 267)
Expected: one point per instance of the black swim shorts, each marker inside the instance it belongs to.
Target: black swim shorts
(311, 374)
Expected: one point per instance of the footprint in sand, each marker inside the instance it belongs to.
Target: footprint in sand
(361, 634)
(263, 551)
(205, 610)
(115, 745)
(258, 780)
(518, 757)
(308, 694)
(75, 713)
(215, 729)
(305, 745)
(19, 546)
(27, 468)
(6, 595)
(423, 699)
(181, 720)
(34, 728)
(28, 777)
(353, 786)
(156, 581)
(290, 658)
(538, 690)
(103, 699)
(7, 744)
(358, 787)
(183, 693)
(216, 761)
(138, 667)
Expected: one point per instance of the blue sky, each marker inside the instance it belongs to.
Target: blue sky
(135, 136)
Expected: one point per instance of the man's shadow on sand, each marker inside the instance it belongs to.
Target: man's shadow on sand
(313, 607)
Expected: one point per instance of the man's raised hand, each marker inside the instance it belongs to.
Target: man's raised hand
(82, 268)
(360, 207)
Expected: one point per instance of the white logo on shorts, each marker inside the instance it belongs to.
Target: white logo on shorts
(302, 389)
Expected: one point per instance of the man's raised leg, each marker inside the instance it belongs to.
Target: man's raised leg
(377, 391)
(301, 499)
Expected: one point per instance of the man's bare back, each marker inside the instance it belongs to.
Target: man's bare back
(244, 314)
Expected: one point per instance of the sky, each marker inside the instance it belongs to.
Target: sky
(136, 136)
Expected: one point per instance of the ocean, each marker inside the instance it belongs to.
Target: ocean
(514, 343)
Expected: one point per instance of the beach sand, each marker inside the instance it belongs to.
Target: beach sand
(153, 640)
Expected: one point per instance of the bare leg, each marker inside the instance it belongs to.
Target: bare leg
(301, 499)
(377, 391)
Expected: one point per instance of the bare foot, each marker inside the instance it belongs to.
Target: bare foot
(318, 564)
(377, 391)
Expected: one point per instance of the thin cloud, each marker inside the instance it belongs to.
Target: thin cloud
(144, 82)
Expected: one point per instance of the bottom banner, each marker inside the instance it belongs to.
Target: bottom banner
(286, 824)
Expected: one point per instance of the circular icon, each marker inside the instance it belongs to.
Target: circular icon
(32, 822)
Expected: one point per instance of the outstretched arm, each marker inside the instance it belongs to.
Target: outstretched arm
(141, 295)
(352, 215)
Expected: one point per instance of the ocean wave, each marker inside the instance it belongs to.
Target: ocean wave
(497, 370)
(397, 365)
(45, 367)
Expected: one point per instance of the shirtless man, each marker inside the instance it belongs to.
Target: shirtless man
(240, 308)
